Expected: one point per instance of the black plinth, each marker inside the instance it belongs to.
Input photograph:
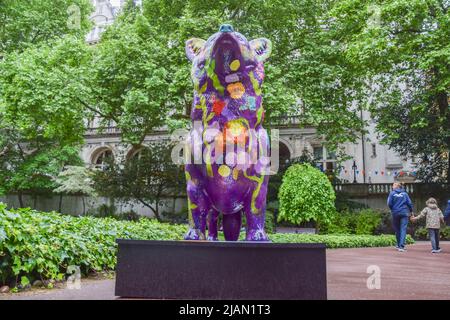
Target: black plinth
(220, 270)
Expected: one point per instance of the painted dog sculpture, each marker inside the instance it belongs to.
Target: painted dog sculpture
(227, 73)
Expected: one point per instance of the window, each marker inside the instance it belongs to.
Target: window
(325, 160)
(331, 155)
(102, 159)
(318, 153)
(374, 150)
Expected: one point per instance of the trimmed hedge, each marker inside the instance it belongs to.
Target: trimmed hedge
(339, 241)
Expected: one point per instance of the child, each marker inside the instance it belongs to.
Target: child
(434, 217)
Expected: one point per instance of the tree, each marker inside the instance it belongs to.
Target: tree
(41, 118)
(401, 48)
(41, 122)
(306, 195)
(150, 177)
(132, 78)
(75, 180)
(39, 99)
(34, 172)
(25, 23)
(142, 74)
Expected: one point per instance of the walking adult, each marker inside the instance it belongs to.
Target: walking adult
(447, 213)
(401, 208)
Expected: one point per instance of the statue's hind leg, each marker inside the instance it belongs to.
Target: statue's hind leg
(255, 212)
(198, 206)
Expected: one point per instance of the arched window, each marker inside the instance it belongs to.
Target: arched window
(101, 158)
(284, 153)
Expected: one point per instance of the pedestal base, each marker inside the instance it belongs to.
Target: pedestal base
(220, 270)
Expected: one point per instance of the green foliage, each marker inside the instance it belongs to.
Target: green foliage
(75, 180)
(34, 171)
(269, 226)
(367, 221)
(149, 177)
(41, 122)
(41, 92)
(43, 244)
(133, 77)
(306, 195)
(110, 211)
(339, 241)
(27, 22)
(421, 233)
(275, 180)
(401, 48)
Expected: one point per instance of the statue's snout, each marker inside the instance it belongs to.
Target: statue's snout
(226, 28)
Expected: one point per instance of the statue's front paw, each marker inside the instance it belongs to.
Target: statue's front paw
(194, 234)
(212, 238)
(256, 235)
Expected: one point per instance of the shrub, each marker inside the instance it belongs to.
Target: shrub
(367, 221)
(421, 233)
(270, 222)
(339, 241)
(269, 225)
(306, 195)
(39, 245)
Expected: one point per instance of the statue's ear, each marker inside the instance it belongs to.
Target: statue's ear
(193, 47)
(262, 48)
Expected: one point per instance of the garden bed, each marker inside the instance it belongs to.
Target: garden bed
(41, 245)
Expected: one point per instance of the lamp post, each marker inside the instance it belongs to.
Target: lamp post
(354, 167)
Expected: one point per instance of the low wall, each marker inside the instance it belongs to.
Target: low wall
(74, 204)
(375, 195)
(371, 195)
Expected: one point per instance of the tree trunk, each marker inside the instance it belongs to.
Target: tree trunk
(448, 169)
(84, 206)
(20, 196)
(158, 217)
(174, 201)
(154, 210)
(60, 203)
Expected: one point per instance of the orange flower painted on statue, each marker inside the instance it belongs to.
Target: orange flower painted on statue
(235, 132)
(236, 90)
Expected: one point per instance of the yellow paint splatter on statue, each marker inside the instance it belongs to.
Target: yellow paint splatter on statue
(224, 171)
(234, 65)
(235, 173)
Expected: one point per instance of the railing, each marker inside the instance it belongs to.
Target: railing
(102, 130)
(114, 131)
(280, 122)
(285, 121)
(367, 189)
